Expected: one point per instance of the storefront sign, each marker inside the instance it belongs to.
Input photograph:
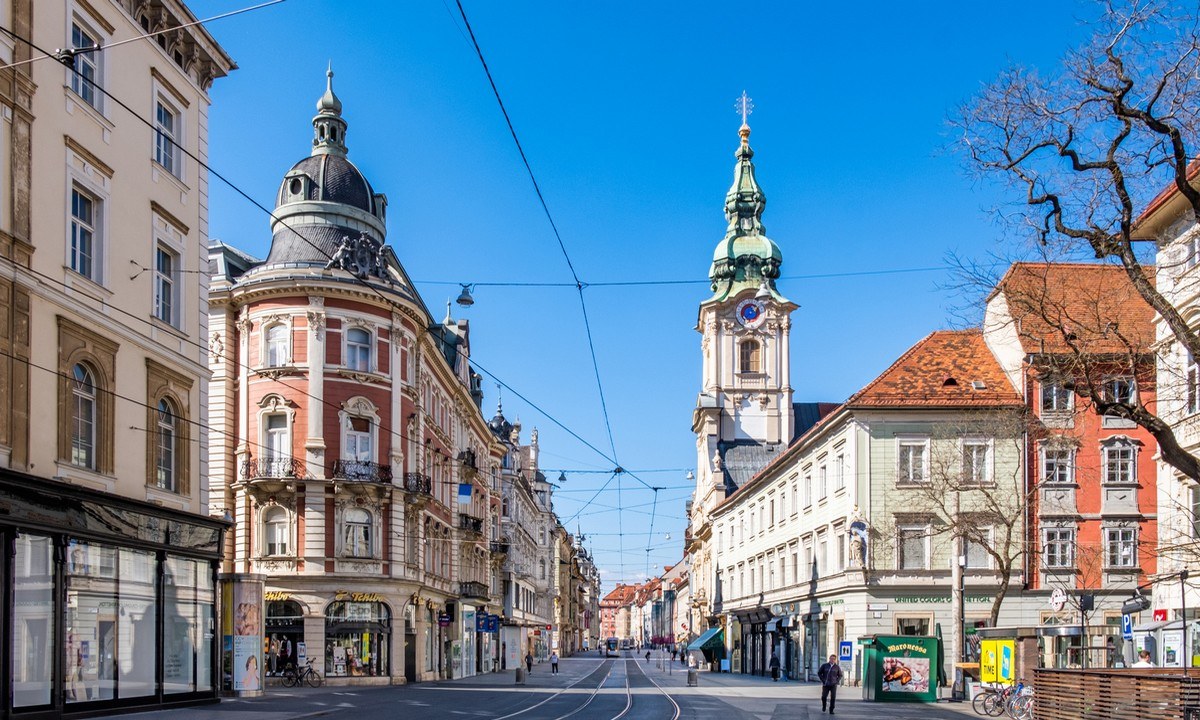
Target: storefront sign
(443, 619)
(356, 596)
(922, 599)
(481, 622)
(493, 624)
(276, 596)
(876, 607)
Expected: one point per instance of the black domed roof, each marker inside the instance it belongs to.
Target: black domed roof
(332, 178)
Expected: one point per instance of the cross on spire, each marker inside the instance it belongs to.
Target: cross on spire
(745, 106)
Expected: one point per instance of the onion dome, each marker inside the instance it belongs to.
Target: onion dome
(325, 209)
(746, 257)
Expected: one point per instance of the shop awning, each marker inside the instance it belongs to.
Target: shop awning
(710, 640)
(772, 625)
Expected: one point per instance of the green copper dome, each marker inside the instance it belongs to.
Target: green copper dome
(746, 257)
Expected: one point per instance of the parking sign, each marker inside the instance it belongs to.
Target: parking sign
(1127, 626)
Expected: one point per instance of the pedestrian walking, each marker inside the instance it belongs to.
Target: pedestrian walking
(554, 663)
(647, 656)
(831, 676)
(528, 662)
(674, 653)
(774, 665)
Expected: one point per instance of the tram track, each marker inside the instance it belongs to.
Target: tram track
(631, 679)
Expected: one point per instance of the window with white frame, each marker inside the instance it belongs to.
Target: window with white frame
(1058, 464)
(807, 567)
(166, 437)
(276, 439)
(913, 456)
(753, 531)
(275, 531)
(83, 417)
(167, 137)
(795, 498)
(1119, 390)
(772, 511)
(1191, 251)
(822, 551)
(839, 472)
(358, 440)
(913, 545)
(975, 462)
(841, 541)
(1194, 497)
(1058, 548)
(1120, 462)
(978, 558)
(166, 285)
(85, 240)
(1056, 397)
(357, 522)
(1192, 382)
(1120, 546)
(358, 350)
(808, 490)
(86, 72)
(823, 482)
(278, 344)
(750, 357)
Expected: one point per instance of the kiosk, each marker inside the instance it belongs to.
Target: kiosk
(900, 668)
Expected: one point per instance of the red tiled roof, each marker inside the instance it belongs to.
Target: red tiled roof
(1096, 304)
(1168, 192)
(948, 368)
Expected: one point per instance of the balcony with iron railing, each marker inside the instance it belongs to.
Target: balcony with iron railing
(470, 523)
(273, 468)
(499, 547)
(418, 484)
(361, 471)
(474, 589)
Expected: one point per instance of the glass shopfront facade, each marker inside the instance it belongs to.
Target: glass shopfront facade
(111, 602)
(358, 639)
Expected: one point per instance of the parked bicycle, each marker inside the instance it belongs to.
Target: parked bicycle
(295, 677)
(996, 700)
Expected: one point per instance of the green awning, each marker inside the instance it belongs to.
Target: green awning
(710, 640)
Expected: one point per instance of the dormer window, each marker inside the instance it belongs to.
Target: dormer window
(296, 188)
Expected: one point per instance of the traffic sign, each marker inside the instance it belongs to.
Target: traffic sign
(1127, 627)
(845, 651)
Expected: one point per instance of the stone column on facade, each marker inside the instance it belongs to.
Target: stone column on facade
(314, 444)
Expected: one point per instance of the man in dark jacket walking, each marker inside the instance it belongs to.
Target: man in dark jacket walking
(774, 666)
(831, 676)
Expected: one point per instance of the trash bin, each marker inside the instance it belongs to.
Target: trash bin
(520, 676)
(693, 677)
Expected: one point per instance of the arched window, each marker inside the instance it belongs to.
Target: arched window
(83, 417)
(750, 357)
(358, 532)
(166, 435)
(277, 345)
(275, 531)
(358, 350)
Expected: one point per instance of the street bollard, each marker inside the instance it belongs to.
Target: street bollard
(520, 676)
(693, 677)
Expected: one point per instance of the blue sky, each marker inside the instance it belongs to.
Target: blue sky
(626, 113)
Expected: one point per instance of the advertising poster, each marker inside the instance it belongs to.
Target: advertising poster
(906, 666)
(247, 637)
(1172, 645)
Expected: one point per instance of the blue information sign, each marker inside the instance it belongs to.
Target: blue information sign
(1127, 626)
(845, 651)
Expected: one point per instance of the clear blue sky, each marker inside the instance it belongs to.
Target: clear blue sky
(626, 113)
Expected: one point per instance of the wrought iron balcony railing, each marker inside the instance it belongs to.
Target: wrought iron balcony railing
(417, 483)
(474, 589)
(499, 547)
(361, 471)
(470, 523)
(278, 467)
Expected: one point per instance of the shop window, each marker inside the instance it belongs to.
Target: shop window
(912, 626)
(188, 600)
(33, 638)
(285, 632)
(357, 639)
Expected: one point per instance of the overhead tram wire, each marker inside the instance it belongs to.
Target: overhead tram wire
(126, 41)
(270, 213)
(579, 285)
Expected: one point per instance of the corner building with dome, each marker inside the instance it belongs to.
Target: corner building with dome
(347, 432)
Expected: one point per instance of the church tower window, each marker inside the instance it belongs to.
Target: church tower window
(750, 357)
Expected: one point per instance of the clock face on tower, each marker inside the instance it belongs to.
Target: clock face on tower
(750, 313)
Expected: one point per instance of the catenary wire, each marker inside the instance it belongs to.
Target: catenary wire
(222, 16)
(618, 471)
(553, 226)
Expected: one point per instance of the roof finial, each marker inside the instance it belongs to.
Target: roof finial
(745, 106)
(329, 128)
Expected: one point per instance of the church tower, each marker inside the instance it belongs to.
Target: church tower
(744, 413)
(744, 416)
